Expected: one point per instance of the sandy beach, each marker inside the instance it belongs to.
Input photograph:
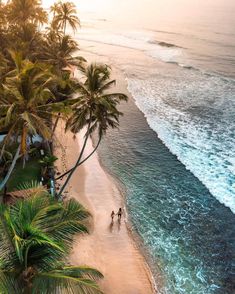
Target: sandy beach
(109, 247)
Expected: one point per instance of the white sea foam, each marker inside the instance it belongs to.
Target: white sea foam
(193, 114)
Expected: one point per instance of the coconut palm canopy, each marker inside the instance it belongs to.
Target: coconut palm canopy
(94, 109)
(35, 237)
(21, 12)
(65, 14)
(26, 102)
(59, 50)
(96, 105)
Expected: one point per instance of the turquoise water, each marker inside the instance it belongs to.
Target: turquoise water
(188, 234)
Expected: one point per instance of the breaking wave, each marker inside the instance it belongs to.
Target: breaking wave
(193, 114)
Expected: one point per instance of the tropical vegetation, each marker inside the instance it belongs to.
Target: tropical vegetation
(39, 86)
(64, 14)
(95, 108)
(35, 238)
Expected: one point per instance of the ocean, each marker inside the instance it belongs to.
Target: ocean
(174, 153)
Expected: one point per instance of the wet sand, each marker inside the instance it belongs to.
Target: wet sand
(109, 247)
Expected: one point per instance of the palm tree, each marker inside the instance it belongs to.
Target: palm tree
(4, 32)
(54, 8)
(59, 51)
(26, 106)
(63, 92)
(66, 14)
(26, 39)
(21, 12)
(95, 108)
(36, 236)
(23, 18)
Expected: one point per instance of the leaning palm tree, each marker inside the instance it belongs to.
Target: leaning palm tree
(65, 14)
(26, 106)
(94, 109)
(36, 236)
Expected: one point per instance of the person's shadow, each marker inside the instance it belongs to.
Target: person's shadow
(119, 224)
(111, 226)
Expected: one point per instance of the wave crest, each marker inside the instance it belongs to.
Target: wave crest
(193, 115)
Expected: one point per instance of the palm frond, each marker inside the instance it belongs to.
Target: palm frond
(8, 284)
(69, 280)
(96, 98)
(35, 237)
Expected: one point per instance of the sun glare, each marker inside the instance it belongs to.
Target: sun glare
(83, 5)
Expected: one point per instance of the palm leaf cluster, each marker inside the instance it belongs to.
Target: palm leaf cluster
(35, 238)
(58, 51)
(65, 14)
(26, 102)
(20, 22)
(21, 12)
(94, 109)
(96, 106)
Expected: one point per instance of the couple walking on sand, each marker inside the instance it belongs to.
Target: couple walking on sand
(119, 213)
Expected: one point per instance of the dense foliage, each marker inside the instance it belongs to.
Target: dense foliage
(37, 88)
(36, 236)
(36, 84)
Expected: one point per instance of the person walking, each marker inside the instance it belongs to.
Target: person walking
(112, 215)
(119, 213)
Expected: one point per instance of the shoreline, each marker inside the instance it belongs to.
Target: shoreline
(125, 270)
(136, 238)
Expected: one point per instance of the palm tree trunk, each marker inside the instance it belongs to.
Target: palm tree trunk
(24, 144)
(48, 147)
(3, 183)
(74, 168)
(65, 28)
(2, 152)
(80, 163)
(55, 125)
(5, 140)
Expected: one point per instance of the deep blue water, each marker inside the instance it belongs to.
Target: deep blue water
(188, 234)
